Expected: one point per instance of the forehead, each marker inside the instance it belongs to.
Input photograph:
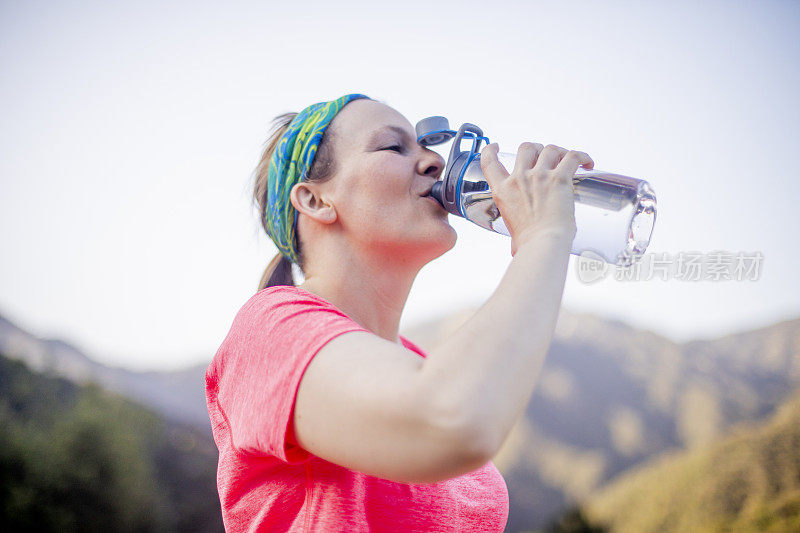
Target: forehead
(360, 119)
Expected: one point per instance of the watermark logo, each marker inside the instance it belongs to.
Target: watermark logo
(718, 265)
(591, 267)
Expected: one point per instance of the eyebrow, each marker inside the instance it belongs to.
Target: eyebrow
(397, 129)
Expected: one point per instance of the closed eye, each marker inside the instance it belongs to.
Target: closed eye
(396, 147)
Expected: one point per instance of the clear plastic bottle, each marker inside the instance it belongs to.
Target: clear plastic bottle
(614, 214)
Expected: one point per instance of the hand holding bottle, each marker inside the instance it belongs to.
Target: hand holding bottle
(538, 195)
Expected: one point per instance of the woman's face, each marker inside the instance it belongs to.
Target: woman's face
(380, 185)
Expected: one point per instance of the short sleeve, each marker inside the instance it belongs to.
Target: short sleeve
(259, 367)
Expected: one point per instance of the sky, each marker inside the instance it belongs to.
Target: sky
(130, 132)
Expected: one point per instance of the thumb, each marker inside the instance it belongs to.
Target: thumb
(494, 171)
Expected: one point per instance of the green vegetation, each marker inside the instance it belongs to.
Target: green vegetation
(749, 481)
(573, 521)
(78, 458)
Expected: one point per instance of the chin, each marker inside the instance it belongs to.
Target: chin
(442, 242)
(422, 246)
(453, 237)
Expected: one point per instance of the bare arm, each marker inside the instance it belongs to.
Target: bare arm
(362, 404)
(372, 406)
(490, 365)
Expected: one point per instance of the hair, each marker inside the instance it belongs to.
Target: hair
(279, 270)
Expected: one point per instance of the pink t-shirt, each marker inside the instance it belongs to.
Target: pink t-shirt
(267, 482)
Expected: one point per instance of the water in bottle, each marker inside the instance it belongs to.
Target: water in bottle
(614, 214)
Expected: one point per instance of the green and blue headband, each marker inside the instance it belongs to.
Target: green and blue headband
(291, 160)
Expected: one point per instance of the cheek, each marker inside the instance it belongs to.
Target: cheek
(382, 194)
(369, 210)
(377, 206)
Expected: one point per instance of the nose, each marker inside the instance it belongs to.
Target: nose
(431, 164)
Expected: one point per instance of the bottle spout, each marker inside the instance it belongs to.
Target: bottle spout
(437, 192)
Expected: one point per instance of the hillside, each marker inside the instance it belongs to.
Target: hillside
(76, 458)
(610, 397)
(749, 481)
(178, 395)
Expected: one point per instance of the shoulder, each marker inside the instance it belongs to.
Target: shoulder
(280, 320)
(277, 311)
(288, 293)
(282, 299)
(282, 293)
(285, 309)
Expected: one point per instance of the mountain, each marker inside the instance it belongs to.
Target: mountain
(609, 398)
(178, 395)
(749, 481)
(78, 458)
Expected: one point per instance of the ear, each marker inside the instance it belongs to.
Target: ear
(306, 198)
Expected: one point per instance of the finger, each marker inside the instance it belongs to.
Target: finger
(550, 157)
(494, 171)
(526, 156)
(572, 160)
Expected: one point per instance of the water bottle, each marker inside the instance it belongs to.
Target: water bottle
(614, 214)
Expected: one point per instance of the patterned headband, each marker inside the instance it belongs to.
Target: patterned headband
(293, 157)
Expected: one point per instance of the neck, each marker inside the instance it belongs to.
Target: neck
(370, 289)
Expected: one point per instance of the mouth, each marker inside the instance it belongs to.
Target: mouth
(427, 192)
(435, 201)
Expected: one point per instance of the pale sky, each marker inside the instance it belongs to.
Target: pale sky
(129, 134)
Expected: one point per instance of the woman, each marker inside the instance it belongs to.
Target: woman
(327, 419)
